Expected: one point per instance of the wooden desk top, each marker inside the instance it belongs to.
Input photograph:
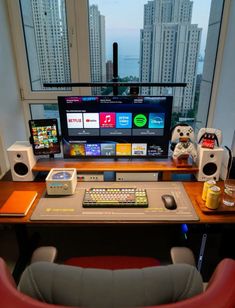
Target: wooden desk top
(194, 190)
(166, 165)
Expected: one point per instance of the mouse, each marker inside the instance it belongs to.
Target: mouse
(169, 202)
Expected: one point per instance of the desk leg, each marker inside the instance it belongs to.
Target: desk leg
(26, 246)
(201, 253)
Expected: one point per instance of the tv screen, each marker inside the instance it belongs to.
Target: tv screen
(115, 126)
(44, 136)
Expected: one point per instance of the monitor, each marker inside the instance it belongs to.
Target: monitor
(115, 126)
(44, 136)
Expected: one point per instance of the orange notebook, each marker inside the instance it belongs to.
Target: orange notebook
(19, 203)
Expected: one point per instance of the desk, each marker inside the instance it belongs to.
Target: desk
(27, 244)
(194, 190)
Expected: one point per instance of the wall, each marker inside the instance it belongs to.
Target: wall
(224, 114)
(209, 63)
(12, 125)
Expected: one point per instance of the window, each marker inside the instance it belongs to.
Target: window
(70, 40)
(51, 46)
(46, 39)
(155, 47)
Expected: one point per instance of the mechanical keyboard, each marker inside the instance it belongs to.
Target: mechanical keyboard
(115, 198)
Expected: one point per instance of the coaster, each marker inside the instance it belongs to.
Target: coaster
(222, 209)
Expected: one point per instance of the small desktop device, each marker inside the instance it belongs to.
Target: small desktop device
(90, 177)
(136, 176)
(44, 136)
(115, 126)
(61, 181)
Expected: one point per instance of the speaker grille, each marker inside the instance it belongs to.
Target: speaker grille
(210, 169)
(21, 169)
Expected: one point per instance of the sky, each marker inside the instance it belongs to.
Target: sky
(124, 19)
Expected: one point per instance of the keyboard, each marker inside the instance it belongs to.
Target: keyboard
(115, 198)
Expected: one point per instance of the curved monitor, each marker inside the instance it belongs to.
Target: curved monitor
(115, 126)
(44, 136)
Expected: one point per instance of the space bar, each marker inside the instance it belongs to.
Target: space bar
(116, 204)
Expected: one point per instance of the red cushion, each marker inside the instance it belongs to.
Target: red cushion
(113, 262)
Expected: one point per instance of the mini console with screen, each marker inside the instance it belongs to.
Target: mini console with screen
(44, 136)
(61, 181)
(115, 126)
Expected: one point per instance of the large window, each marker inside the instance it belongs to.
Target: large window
(51, 45)
(46, 39)
(159, 41)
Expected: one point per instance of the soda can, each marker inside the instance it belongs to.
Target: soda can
(213, 197)
(206, 185)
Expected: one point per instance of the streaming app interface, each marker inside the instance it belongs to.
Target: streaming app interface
(103, 127)
(115, 124)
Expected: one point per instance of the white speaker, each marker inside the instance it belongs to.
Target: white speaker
(22, 160)
(209, 163)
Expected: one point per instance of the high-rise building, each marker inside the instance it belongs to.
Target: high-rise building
(169, 50)
(97, 46)
(52, 64)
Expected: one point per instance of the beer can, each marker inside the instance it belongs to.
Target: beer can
(213, 197)
(206, 185)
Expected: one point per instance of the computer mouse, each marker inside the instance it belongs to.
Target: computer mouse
(169, 202)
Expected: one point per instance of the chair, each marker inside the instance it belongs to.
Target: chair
(220, 291)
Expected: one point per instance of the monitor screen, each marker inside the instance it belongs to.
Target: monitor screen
(115, 126)
(44, 136)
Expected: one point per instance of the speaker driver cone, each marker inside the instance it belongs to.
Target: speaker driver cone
(21, 169)
(210, 169)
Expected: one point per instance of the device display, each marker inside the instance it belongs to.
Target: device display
(44, 136)
(63, 175)
(115, 126)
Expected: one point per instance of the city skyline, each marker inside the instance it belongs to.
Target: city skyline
(174, 44)
(127, 32)
(128, 62)
(169, 45)
(169, 50)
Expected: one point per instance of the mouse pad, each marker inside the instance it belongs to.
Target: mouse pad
(70, 207)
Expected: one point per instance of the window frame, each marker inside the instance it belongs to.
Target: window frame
(218, 62)
(78, 31)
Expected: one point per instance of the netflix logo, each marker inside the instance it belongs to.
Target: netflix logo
(74, 120)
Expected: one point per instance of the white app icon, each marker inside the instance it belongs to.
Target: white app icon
(91, 120)
(74, 120)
